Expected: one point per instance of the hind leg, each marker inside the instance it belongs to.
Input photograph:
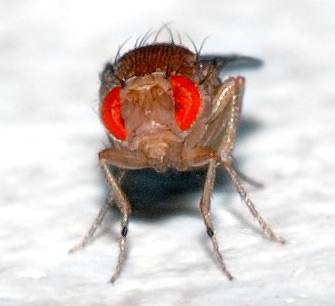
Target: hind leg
(227, 145)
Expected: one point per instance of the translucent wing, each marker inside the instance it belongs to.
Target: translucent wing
(231, 62)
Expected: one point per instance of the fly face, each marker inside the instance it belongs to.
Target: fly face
(154, 109)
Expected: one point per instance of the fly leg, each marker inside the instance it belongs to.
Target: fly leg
(98, 220)
(197, 157)
(106, 157)
(93, 228)
(226, 161)
(205, 207)
(227, 144)
(124, 160)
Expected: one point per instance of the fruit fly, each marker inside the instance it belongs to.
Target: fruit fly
(165, 107)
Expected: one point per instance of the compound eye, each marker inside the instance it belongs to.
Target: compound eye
(187, 101)
(111, 114)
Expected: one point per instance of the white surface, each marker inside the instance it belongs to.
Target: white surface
(51, 186)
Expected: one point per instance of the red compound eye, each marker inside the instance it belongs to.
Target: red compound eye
(187, 101)
(111, 114)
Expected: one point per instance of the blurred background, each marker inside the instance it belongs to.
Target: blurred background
(51, 186)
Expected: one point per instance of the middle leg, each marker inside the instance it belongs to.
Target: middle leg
(98, 220)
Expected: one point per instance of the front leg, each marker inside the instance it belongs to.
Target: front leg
(197, 157)
(121, 202)
(124, 160)
(205, 207)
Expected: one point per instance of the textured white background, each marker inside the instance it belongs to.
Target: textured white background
(52, 188)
